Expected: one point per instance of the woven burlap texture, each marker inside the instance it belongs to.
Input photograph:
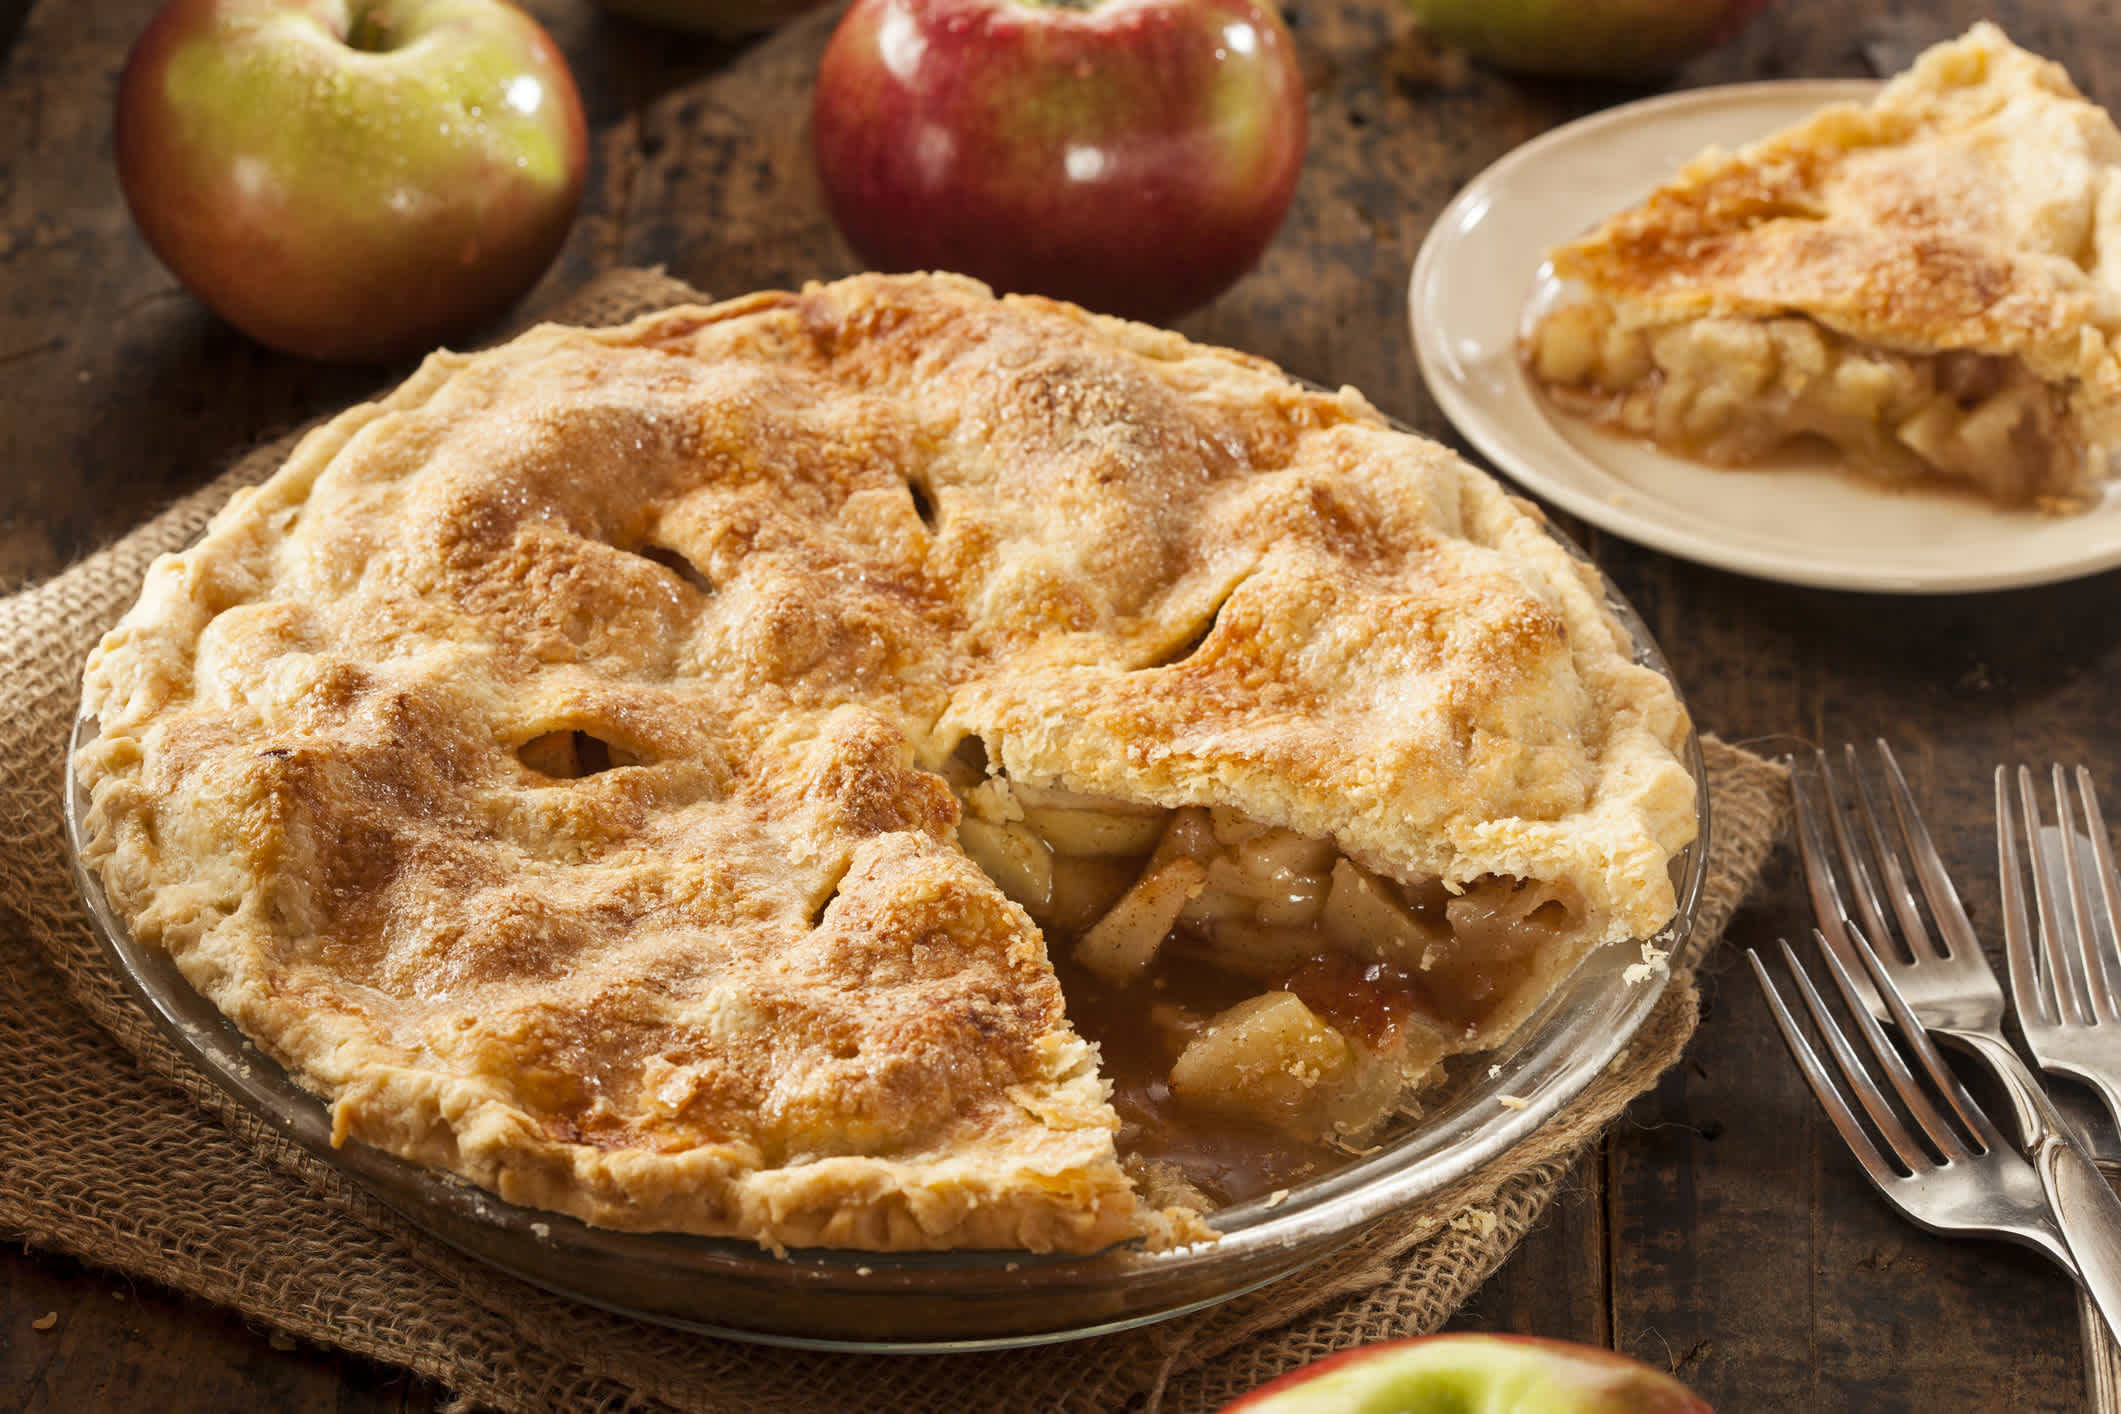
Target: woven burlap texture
(113, 1150)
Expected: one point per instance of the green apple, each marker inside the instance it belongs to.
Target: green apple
(1473, 1374)
(352, 180)
(1585, 38)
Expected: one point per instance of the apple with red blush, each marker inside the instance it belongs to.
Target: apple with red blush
(351, 180)
(1494, 1374)
(1134, 156)
(1598, 39)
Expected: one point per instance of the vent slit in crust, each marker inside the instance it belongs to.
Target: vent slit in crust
(1193, 643)
(570, 754)
(825, 900)
(923, 503)
(679, 564)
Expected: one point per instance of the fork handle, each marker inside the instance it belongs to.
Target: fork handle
(2102, 1359)
(2090, 1218)
(2085, 1207)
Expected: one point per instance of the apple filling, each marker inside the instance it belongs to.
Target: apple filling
(1259, 996)
(1735, 391)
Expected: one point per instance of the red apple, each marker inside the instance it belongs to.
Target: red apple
(1585, 38)
(1135, 156)
(1497, 1374)
(351, 179)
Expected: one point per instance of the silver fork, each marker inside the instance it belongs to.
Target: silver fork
(1947, 983)
(1945, 978)
(1965, 1178)
(2068, 998)
(2069, 1009)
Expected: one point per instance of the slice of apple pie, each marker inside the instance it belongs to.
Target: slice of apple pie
(881, 767)
(1930, 284)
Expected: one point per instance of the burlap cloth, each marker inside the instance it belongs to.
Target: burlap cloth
(114, 1151)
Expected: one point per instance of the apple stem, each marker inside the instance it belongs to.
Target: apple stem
(370, 31)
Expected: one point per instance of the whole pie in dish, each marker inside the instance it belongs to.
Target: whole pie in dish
(880, 767)
(1930, 285)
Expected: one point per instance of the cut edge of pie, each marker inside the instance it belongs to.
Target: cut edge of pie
(1926, 284)
(578, 767)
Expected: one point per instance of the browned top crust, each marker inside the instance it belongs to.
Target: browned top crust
(779, 557)
(1971, 206)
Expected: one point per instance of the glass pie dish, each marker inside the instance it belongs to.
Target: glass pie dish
(965, 1299)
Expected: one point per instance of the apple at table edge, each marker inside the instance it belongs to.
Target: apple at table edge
(351, 179)
(1498, 1374)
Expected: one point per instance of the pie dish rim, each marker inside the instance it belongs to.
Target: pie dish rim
(1464, 326)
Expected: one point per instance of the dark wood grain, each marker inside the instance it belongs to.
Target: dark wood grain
(1720, 1229)
(12, 14)
(116, 1344)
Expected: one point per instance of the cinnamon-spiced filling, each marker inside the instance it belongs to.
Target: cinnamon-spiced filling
(1735, 391)
(1258, 996)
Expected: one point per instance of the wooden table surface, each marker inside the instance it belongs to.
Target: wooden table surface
(1720, 1230)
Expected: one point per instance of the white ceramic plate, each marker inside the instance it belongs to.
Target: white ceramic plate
(1805, 523)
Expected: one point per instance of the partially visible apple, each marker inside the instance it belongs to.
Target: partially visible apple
(352, 180)
(724, 19)
(1612, 39)
(1135, 156)
(1493, 1374)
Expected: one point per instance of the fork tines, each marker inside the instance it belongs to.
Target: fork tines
(1949, 1178)
(1855, 872)
(2072, 981)
(1852, 1075)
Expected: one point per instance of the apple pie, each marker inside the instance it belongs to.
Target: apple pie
(879, 767)
(1927, 284)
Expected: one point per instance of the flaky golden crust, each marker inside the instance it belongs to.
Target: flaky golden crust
(775, 559)
(1972, 206)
